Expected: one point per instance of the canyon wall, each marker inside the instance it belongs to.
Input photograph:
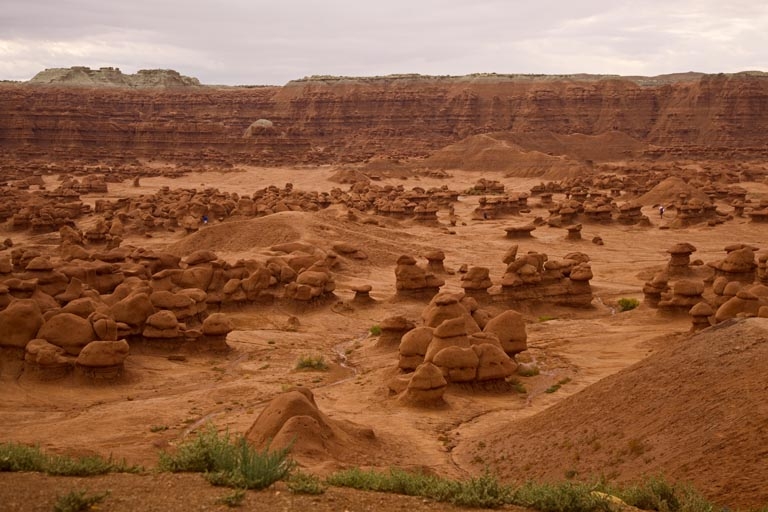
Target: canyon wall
(332, 120)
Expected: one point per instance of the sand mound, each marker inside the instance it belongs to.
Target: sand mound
(293, 419)
(488, 153)
(244, 235)
(668, 192)
(323, 229)
(694, 411)
(605, 147)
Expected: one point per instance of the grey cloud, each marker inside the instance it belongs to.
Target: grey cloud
(236, 41)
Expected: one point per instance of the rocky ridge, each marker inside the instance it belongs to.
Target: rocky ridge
(322, 120)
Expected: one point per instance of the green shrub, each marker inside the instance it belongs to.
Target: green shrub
(481, 492)
(655, 493)
(253, 469)
(546, 318)
(305, 483)
(626, 304)
(375, 330)
(311, 363)
(62, 465)
(528, 371)
(561, 497)
(228, 461)
(19, 457)
(76, 501)
(207, 451)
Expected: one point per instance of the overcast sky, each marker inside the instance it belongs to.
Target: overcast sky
(271, 42)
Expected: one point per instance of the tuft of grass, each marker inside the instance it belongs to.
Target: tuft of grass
(626, 304)
(546, 318)
(655, 493)
(481, 492)
(555, 387)
(228, 461)
(486, 492)
(233, 499)
(77, 501)
(19, 457)
(305, 483)
(375, 330)
(560, 497)
(312, 363)
(207, 451)
(62, 465)
(527, 371)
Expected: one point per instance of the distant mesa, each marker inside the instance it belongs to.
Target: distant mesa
(113, 77)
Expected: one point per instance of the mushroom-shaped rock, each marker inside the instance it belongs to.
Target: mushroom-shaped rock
(745, 303)
(476, 279)
(133, 310)
(413, 347)
(68, 331)
(47, 360)
(493, 362)
(392, 330)
(19, 323)
(104, 326)
(426, 386)
(447, 305)
(509, 328)
(162, 324)
(217, 325)
(581, 272)
(457, 364)
(701, 315)
(103, 354)
(450, 333)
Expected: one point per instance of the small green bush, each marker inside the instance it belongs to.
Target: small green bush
(655, 493)
(19, 457)
(207, 451)
(528, 371)
(228, 461)
(61, 465)
(305, 483)
(626, 304)
(375, 330)
(253, 469)
(312, 363)
(481, 492)
(77, 501)
(546, 318)
(562, 497)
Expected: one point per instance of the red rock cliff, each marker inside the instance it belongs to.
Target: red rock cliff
(347, 120)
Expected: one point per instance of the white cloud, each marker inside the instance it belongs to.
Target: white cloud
(258, 42)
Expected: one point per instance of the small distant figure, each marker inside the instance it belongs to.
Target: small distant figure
(661, 212)
(205, 219)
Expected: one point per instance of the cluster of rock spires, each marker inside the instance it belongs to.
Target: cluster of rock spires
(530, 276)
(457, 343)
(83, 309)
(733, 287)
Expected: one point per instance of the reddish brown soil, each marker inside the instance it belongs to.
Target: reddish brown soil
(524, 435)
